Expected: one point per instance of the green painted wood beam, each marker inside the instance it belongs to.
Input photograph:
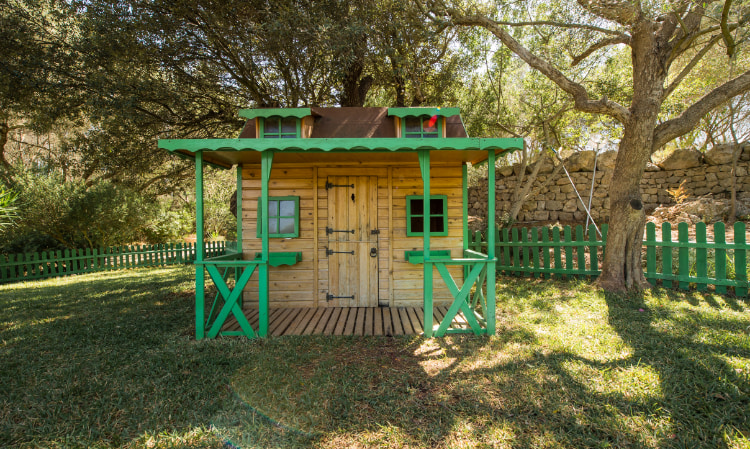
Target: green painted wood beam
(265, 168)
(275, 112)
(200, 284)
(239, 207)
(418, 112)
(342, 144)
(491, 266)
(465, 204)
(424, 166)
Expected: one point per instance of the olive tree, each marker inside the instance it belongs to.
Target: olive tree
(666, 41)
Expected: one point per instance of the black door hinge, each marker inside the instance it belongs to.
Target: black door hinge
(330, 297)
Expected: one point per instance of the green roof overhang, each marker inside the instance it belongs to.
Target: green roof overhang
(226, 152)
(418, 112)
(275, 112)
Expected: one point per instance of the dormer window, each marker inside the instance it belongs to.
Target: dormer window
(422, 127)
(421, 123)
(280, 128)
(280, 123)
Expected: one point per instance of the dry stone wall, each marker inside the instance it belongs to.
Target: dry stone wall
(556, 200)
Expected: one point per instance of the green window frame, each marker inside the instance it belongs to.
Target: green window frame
(283, 217)
(278, 127)
(415, 218)
(419, 127)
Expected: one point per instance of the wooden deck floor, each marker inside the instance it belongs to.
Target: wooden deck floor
(344, 321)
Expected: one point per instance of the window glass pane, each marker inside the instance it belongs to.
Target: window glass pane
(436, 206)
(417, 224)
(429, 135)
(429, 125)
(417, 206)
(286, 225)
(288, 136)
(273, 208)
(436, 224)
(287, 208)
(271, 125)
(273, 226)
(413, 124)
(289, 125)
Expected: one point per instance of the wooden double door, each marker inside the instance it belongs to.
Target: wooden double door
(352, 241)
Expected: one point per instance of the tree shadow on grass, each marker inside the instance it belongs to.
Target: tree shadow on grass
(669, 387)
(106, 364)
(705, 397)
(106, 360)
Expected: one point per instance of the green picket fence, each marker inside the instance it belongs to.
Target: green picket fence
(21, 267)
(684, 263)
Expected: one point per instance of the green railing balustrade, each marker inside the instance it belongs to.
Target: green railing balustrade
(49, 264)
(566, 253)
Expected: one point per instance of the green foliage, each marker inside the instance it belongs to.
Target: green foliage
(167, 222)
(79, 216)
(53, 213)
(8, 209)
(218, 188)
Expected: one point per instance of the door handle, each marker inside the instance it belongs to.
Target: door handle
(373, 252)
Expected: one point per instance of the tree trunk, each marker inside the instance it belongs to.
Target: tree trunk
(622, 268)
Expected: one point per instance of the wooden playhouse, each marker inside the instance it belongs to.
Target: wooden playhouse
(355, 215)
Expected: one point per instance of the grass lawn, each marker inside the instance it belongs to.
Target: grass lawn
(108, 360)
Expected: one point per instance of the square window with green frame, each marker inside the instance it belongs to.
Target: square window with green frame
(416, 219)
(422, 127)
(283, 217)
(280, 127)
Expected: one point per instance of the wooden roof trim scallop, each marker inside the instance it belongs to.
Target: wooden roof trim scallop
(418, 112)
(275, 112)
(342, 144)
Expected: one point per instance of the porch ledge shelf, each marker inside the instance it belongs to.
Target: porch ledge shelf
(277, 259)
(417, 257)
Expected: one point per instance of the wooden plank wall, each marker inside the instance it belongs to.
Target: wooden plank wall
(289, 286)
(400, 283)
(407, 278)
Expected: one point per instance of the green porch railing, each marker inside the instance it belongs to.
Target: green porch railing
(228, 298)
(684, 263)
(474, 304)
(49, 264)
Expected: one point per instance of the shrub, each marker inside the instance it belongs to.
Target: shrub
(8, 209)
(74, 214)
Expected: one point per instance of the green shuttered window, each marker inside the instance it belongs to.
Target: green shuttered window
(416, 219)
(283, 217)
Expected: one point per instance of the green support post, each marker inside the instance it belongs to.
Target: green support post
(465, 205)
(239, 208)
(491, 275)
(266, 163)
(200, 285)
(238, 211)
(424, 166)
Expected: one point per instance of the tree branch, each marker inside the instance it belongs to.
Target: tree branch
(689, 67)
(622, 12)
(578, 92)
(726, 34)
(671, 129)
(579, 26)
(623, 39)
